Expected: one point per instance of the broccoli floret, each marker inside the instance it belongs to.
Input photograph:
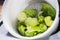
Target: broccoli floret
(31, 21)
(48, 21)
(30, 34)
(48, 10)
(43, 27)
(33, 28)
(21, 29)
(41, 19)
(30, 12)
(22, 17)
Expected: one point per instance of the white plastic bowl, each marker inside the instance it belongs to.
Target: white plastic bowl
(12, 7)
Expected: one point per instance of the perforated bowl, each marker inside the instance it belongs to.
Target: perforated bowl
(12, 7)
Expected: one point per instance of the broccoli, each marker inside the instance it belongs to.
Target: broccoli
(48, 10)
(21, 29)
(43, 27)
(22, 17)
(48, 21)
(30, 34)
(30, 12)
(41, 19)
(31, 21)
(33, 28)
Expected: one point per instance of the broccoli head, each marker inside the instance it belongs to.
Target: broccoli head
(31, 21)
(43, 27)
(22, 17)
(33, 28)
(30, 12)
(41, 19)
(21, 29)
(48, 21)
(30, 34)
(48, 10)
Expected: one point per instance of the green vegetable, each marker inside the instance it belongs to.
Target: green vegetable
(40, 28)
(48, 10)
(30, 12)
(48, 21)
(31, 21)
(41, 19)
(33, 28)
(22, 17)
(21, 29)
(43, 27)
(30, 34)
